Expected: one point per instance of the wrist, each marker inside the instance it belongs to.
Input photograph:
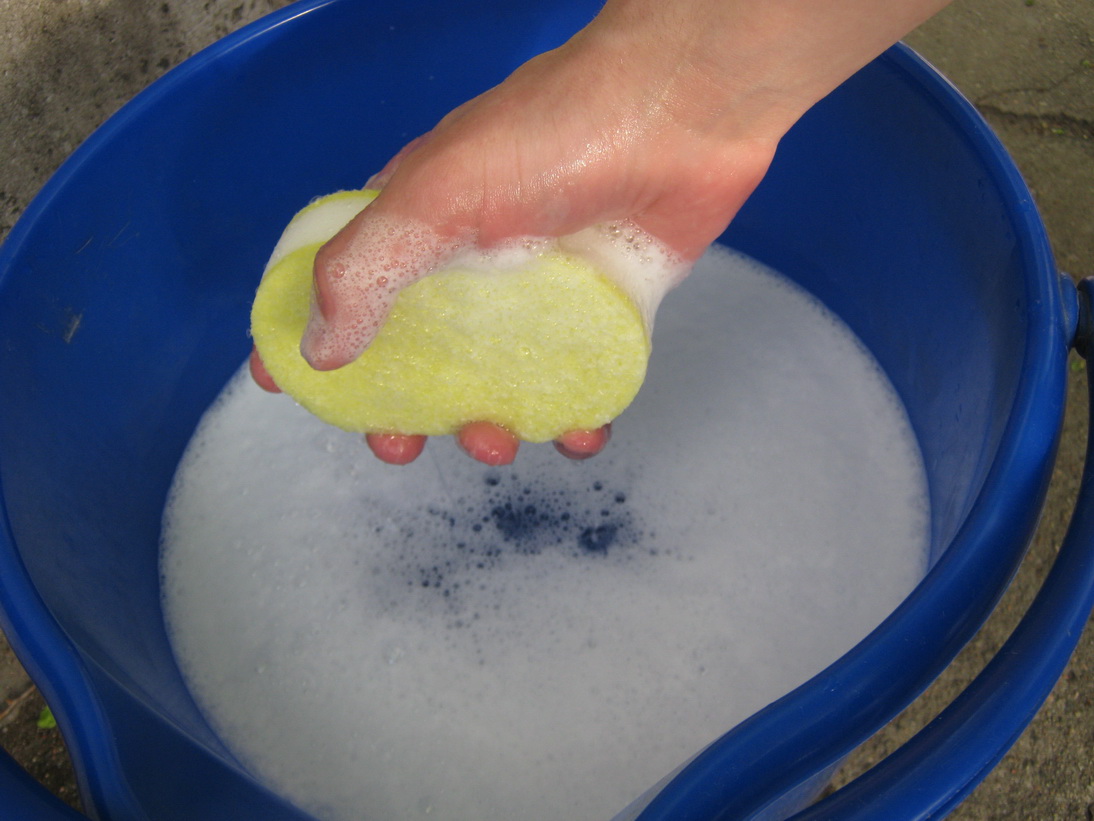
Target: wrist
(711, 67)
(742, 69)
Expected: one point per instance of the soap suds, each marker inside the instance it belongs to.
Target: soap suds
(445, 640)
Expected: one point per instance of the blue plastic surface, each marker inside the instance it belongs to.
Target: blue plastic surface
(124, 294)
(936, 769)
(23, 799)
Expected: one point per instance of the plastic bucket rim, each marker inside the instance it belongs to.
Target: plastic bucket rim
(56, 666)
(1048, 338)
(67, 685)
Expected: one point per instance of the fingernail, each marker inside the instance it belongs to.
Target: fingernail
(584, 444)
(488, 443)
(395, 449)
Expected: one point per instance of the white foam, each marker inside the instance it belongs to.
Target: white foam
(645, 268)
(315, 225)
(641, 265)
(397, 643)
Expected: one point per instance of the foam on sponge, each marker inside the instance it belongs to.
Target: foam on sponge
(535, 339)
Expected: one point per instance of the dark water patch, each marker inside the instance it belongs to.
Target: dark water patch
(530, 519)
(452, 555)
(598, 539)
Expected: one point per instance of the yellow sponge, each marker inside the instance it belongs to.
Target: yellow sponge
(541, 350)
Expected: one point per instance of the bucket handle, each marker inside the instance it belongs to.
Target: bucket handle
(934, 771)
(24, 799)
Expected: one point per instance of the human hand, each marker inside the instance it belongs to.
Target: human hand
(534, 157)
(665, 116)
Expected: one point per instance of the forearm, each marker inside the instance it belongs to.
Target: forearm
(749, 68)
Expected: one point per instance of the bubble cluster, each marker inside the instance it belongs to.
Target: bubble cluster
(383, 257)
(644, 267)
(468, 551)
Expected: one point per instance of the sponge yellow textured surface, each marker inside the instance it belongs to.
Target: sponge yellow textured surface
(546, 348)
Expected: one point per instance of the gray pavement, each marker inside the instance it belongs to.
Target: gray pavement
(1027, 64)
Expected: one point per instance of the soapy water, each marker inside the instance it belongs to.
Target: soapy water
(546, 641)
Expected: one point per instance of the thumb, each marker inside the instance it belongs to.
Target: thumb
(357, 276)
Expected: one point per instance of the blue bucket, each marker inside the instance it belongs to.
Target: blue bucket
(124, 298)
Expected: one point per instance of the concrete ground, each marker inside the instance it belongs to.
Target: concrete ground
(1028, 65)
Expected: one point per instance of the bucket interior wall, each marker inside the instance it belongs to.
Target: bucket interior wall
(127, 308)
(884, 209)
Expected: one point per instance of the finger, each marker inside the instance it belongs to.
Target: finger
(488, 443)
(395, 448)
(583, 444)
(379, 179)
(357, 276)
(260, 375)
